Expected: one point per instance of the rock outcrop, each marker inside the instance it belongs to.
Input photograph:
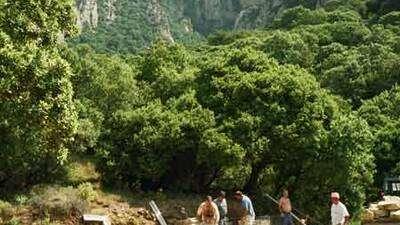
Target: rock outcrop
(128, 25)
(395, 216)
(211, 15)
(386, 210)
(87, 13)
(390, 203)
(202, 16)
(110, 10)
(159, 20)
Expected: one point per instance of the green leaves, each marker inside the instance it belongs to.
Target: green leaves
(382, 113)
(361, 73)
(218, 150)
(36, 109)
(289, 48)
(228, 116)
(42, 22)
(249, 110)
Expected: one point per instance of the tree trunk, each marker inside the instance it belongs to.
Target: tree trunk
(252, 183)
(212, 178)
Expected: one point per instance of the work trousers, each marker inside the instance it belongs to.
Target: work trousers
(287, 219)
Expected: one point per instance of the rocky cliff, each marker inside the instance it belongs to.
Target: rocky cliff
(140, 21)
(87, 13)
(211, 15)
(206, 15)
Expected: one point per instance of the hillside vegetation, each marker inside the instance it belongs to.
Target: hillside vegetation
(310, 102)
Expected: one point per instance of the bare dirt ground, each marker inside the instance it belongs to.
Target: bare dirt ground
(123, 207)
(119, 211)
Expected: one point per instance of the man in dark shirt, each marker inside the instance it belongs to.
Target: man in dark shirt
(222, 207)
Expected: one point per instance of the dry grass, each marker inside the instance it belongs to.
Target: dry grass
(80, 171)
(80, 192)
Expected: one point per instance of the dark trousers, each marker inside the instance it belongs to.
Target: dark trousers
(287, 219)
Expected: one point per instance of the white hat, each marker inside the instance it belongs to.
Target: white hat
(335, 195)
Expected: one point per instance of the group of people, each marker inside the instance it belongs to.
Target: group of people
(339, 213)
(214, 212)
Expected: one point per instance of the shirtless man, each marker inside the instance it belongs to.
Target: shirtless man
(285, 207)
(208, 212)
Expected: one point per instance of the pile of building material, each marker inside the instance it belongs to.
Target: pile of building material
(96, 219)
(386, 210)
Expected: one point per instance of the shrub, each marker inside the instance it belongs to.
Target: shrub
(6, 210)
(58, 202)
(21, 199)
(86, 191)
(80, 172)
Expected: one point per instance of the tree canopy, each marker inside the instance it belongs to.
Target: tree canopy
(310, 102)
(37, 117)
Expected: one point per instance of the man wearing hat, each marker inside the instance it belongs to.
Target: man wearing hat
(222, 207)
(339, 213)
(248, 205)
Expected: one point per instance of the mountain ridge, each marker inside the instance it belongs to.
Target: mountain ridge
(137, 22)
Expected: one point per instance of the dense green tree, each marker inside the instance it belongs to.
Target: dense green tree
(386, 36)
(231, 117)
(37, 117)
(343, 5)
(349, 145)
(382, 7)
(142, 108)
(362, 72)
(382, 114)
(167, 69)
(289, 48)
(346, 33)
(228, 37)
(391, 21)
(41, 22)
(103, 84)
(392, 18)
(297, 16)
(174, 146)
(288, 124)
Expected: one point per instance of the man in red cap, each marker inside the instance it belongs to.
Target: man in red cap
(339, 213)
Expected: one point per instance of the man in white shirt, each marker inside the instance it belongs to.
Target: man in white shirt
(339, 213)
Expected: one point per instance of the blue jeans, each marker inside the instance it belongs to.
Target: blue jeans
(287, 219)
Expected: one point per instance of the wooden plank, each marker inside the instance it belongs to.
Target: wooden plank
(96, 218)
(157, 213)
